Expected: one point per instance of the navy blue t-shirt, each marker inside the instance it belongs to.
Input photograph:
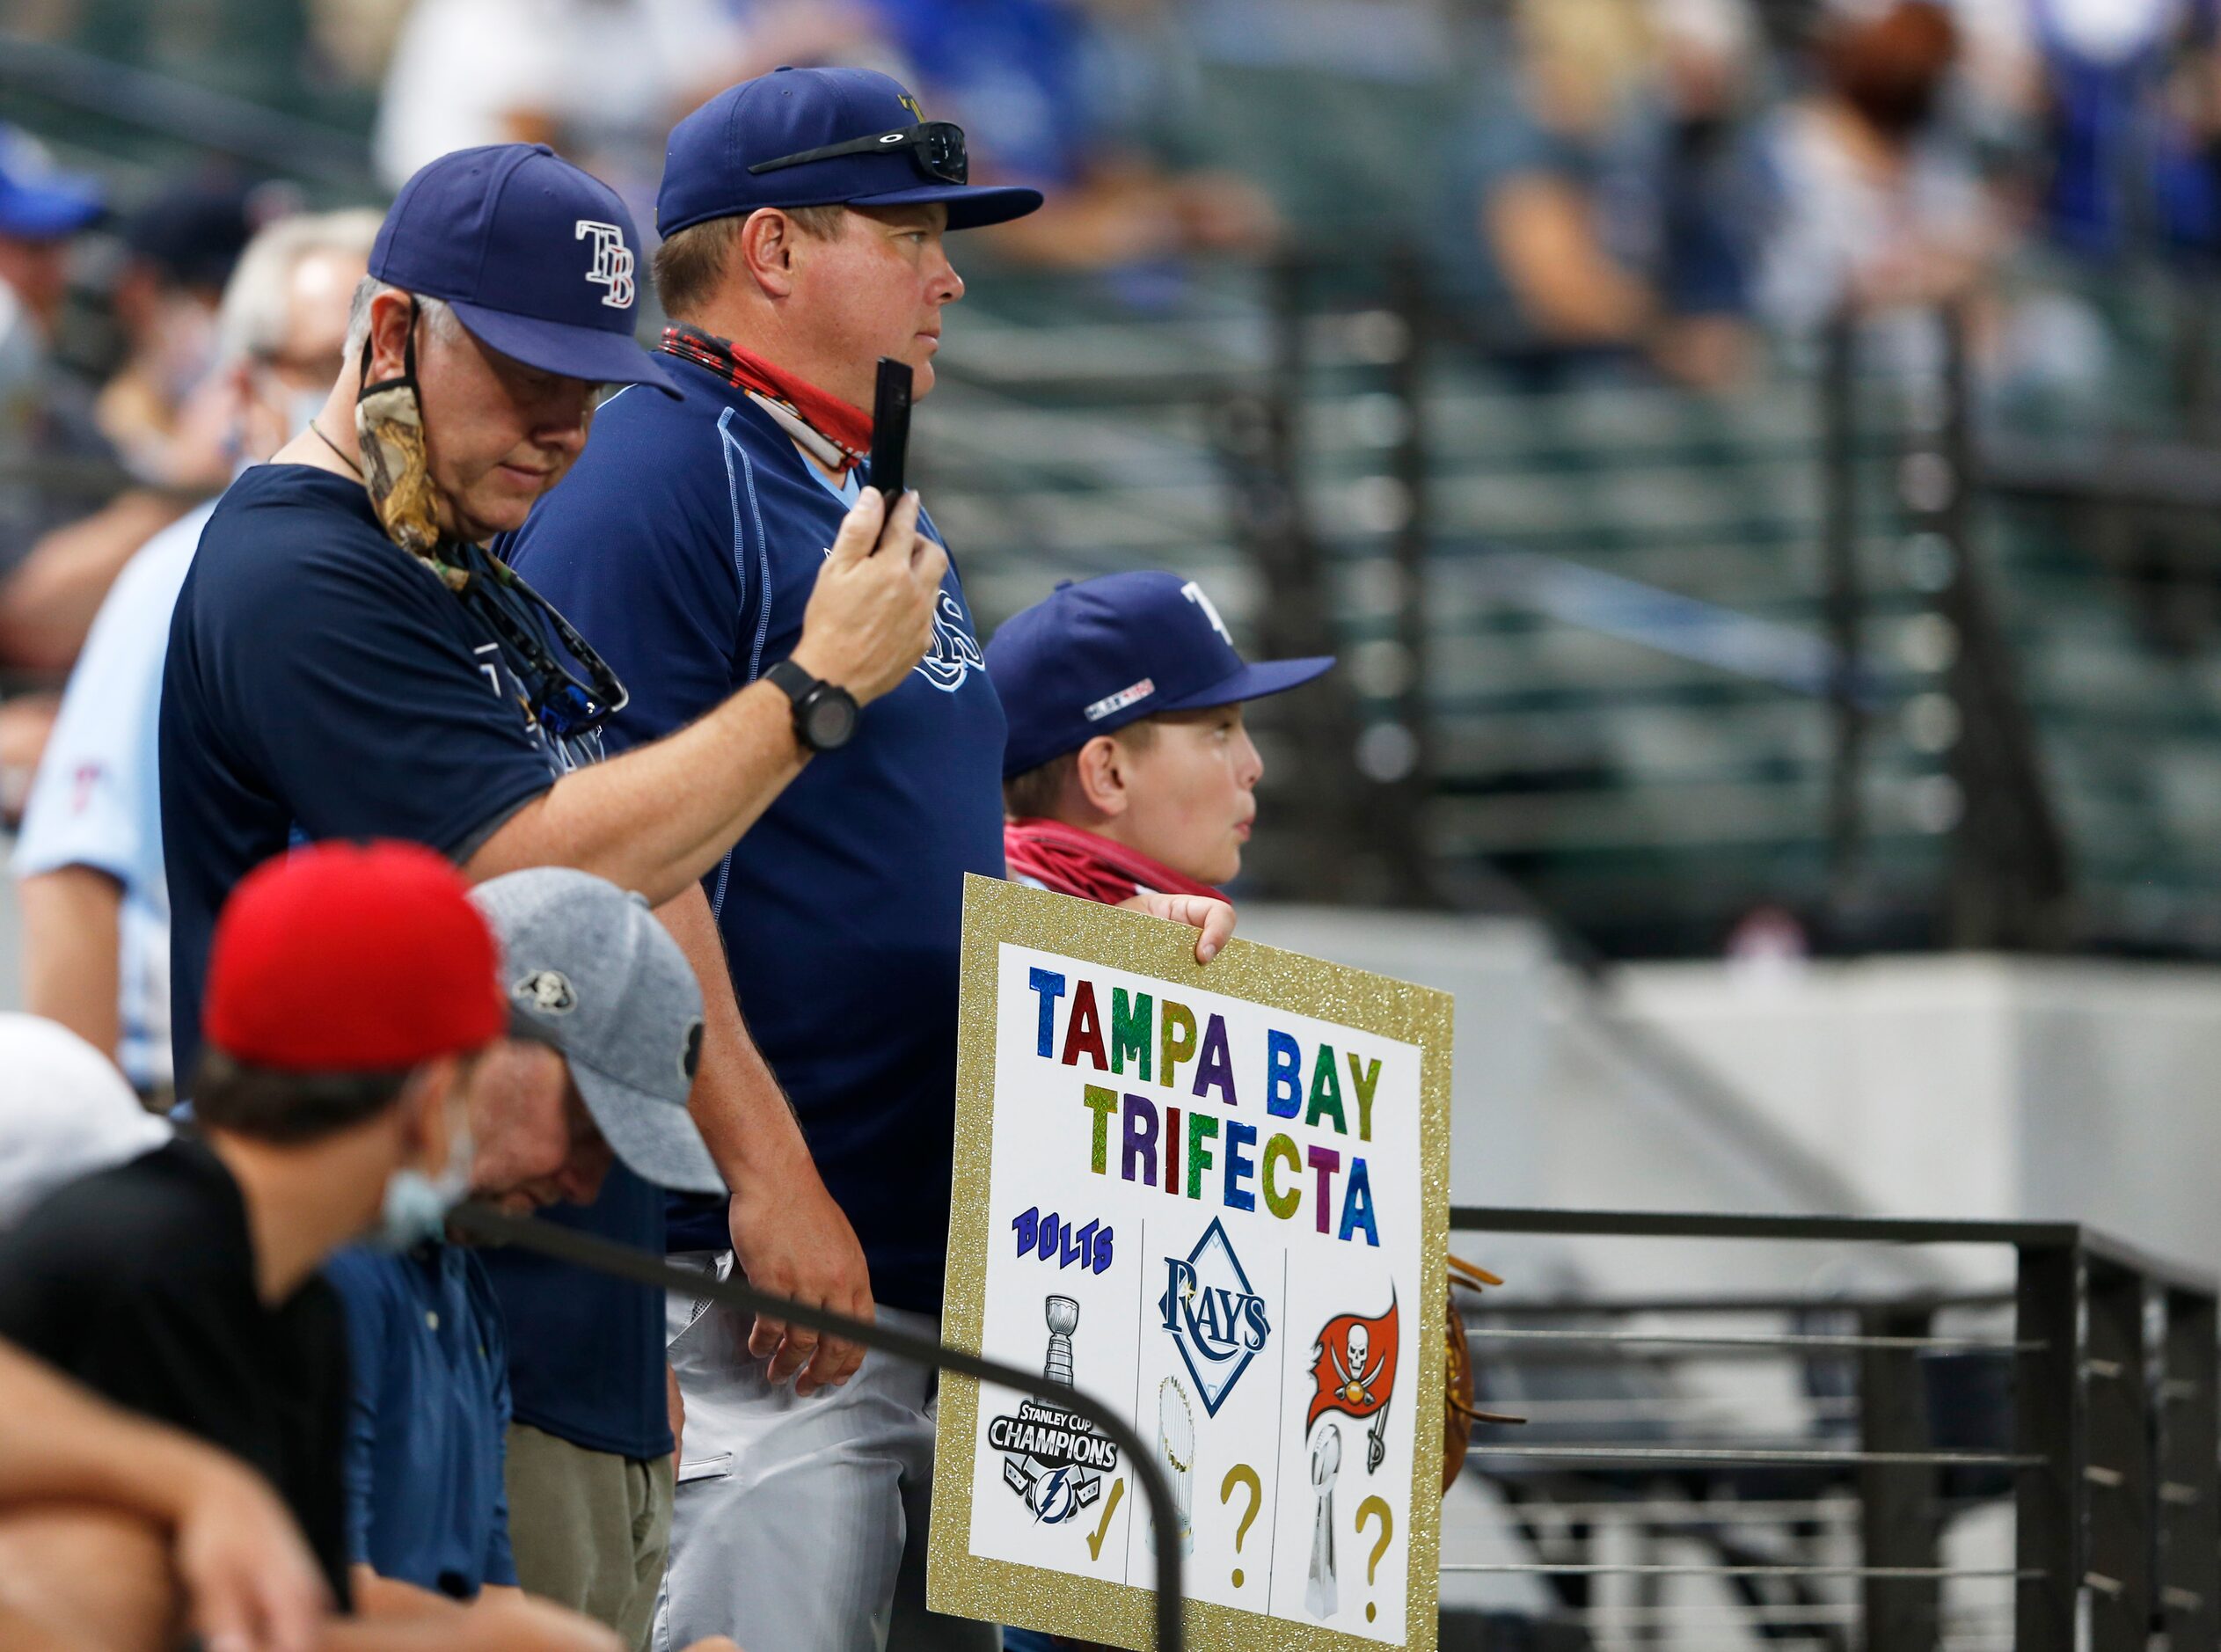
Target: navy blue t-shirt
(321, 683)
(684, 546)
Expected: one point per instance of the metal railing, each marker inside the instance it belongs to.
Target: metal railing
(196, 118)
(2008, 884)
(2105, 1434)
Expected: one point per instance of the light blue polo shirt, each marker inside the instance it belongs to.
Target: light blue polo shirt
(425, 1502)
(97, 799)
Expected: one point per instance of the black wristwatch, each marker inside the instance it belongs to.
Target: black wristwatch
(824, 712)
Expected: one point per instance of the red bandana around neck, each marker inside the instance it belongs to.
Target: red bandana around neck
(1072, 861)
(844, 427)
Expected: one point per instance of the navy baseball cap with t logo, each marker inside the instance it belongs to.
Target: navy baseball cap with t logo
(1104, 653)
(821, 137)
(538, 259)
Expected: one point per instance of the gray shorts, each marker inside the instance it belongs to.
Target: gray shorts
(801, 1524)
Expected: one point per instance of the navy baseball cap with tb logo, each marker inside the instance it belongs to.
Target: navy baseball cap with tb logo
(538, 259)
(1103, 653)
(821, 137)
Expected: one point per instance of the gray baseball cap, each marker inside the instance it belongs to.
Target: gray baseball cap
(589, 970)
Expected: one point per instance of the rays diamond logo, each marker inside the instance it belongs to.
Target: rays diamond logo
(1210, 1313)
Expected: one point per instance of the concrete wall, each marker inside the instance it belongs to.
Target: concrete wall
(1980, 1087)
(1972, 1086)
(1500, 975)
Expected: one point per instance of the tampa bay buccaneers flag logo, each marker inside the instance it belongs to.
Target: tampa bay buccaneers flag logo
(1353, 1363)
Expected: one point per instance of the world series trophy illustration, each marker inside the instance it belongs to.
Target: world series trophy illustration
(1176, 1452)
(1320, 1597)
(1063, 1315)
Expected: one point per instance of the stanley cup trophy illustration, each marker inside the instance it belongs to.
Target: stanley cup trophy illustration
(1063, 1319)
(1176, 1453)
(1051, 1456)
(1319, 1597)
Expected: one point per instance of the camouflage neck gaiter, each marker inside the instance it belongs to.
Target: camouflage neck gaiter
(397, 469)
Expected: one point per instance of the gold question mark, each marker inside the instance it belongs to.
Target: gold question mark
(1242, 1475)
(1376, 1505)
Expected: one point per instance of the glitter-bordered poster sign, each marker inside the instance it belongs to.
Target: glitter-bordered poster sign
(1215, 1198)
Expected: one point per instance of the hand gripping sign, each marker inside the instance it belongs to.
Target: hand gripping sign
(1214, 1199)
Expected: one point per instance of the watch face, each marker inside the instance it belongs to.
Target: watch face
(832, 719)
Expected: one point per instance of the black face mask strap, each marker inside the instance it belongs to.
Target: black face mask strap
(407, 380)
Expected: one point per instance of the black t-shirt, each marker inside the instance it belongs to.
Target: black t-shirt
(139, 1282)
(322, 682)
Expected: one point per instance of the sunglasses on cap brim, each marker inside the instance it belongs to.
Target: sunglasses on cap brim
(936, 148)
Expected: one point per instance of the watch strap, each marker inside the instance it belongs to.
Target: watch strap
(813, 698)
(790, 680)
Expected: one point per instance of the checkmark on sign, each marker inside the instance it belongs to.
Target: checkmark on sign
(1110, 1508)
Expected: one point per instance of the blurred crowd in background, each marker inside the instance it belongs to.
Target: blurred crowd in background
(1646, 190)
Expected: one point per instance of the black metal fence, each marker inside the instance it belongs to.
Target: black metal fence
(2082, 1395)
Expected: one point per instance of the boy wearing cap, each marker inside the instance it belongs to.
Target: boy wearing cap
(1128, 769)
(805, 216)
(612, 1017)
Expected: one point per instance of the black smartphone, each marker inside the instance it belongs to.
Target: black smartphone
(890, 426)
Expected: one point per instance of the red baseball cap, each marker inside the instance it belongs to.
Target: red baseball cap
(346, 958)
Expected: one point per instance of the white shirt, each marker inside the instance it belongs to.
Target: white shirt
(1837, 220)
(611, 74)
(64, 1113)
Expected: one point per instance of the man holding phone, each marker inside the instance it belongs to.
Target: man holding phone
(804, 215)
